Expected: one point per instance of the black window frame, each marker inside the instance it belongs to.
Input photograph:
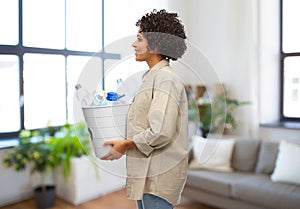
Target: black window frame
(284, 55)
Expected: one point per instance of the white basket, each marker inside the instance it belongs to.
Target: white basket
(104, 124)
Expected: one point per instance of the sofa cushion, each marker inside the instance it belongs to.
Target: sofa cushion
(266, 158)
(245, 154)
(260, 190)
(287, 168)
(214, 182)
(212, 154)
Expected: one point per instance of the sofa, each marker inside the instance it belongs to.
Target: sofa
(247, 174)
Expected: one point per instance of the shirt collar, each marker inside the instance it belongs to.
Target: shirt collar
(156, 67)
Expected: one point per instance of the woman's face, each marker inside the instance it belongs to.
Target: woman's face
(140, 46)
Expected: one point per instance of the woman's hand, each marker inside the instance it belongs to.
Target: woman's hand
(119, 148)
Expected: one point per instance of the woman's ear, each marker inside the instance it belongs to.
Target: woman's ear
(155, 50)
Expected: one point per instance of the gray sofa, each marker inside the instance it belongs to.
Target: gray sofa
(249, 186)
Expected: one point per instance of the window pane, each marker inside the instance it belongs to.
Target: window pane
(84, 25)
(75, 67)
(44, 90)
(9, 22)
(291, 88)
(291, 29)
(9, 94)
(43, 23)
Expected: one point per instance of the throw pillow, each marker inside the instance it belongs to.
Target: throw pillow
(212, 154)
(287, 167)
(245, 154)
(267, 157)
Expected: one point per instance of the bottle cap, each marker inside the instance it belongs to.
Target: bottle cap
(119, 81)
(78, 86)
(111, 96)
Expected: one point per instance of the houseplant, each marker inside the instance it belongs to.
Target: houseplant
(43, 150)
(216, 115)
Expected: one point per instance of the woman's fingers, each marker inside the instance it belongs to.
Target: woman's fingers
(109, 143)
(111, 155)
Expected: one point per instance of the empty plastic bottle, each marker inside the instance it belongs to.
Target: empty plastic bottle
(112, 99)
(120, 89)
(98, 98)
(83, 96)
(119, 83)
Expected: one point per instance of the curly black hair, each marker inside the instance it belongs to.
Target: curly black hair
(164, 32)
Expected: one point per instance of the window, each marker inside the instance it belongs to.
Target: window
(290, 60)
(44, 46)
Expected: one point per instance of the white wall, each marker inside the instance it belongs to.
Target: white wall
(268, 61)
(14, 185)
(240, 39)
(225, 32)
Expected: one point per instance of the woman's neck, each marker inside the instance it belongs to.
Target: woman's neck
(156, 58)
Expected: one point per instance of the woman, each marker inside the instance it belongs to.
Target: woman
(157, 135)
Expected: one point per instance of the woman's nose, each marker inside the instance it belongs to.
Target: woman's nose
(133, 44)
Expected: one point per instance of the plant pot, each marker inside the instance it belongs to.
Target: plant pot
(204, 132)
(44, 198)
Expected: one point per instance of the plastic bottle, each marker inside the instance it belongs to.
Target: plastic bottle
(112, 99)
(120, 91)
(83, 96)
(119, 82)
(98, 98)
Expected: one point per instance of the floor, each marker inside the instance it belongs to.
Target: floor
(115, 200)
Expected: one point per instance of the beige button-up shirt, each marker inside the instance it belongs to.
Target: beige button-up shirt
(158, 124)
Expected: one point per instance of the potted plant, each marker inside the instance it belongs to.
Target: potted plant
(70, 141)
(42, 151)
(218, 116)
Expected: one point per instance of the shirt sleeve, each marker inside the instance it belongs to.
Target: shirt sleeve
(162, 116)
